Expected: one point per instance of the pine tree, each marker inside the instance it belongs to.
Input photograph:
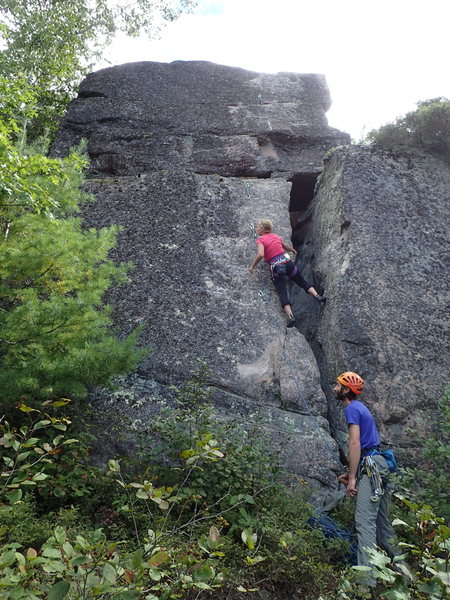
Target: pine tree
(55, 332)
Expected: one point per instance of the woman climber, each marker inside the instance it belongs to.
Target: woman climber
(272, 248)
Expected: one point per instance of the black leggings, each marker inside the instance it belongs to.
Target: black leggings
(280, 280)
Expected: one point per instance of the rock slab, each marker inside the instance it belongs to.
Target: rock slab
(379, 230)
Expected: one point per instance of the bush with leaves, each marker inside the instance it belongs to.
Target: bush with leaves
(427, 129)
(87, 565)
(430, 482)
(251, 464)
(263, 522)
(422, 572)
(172, 534)
(56, 334)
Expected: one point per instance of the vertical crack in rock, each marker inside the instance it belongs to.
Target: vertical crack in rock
(301, 213)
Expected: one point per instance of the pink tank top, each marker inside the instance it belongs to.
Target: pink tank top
(272, 245)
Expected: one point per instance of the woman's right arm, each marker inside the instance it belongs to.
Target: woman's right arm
(259, 256)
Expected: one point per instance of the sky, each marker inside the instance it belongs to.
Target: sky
(379, 57)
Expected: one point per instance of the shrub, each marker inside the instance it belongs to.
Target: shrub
(430, 483)
(207, 514)
(422, 572)
(427, 129)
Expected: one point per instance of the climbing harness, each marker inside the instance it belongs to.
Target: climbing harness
(279, 260)
(278, 264)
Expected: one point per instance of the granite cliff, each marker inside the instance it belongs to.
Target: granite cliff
(187, 157)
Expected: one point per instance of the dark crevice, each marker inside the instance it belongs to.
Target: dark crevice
(93, 154)
(301, 210)
(301, 196)
(109, 120)
(357, 343)
(345, 225)
(230, 391)
(287, 140)
(302, 191)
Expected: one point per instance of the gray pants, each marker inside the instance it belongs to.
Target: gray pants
(373, 526)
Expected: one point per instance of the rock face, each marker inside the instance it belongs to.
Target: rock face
(379, 232)
(186, 157)
(201, 117)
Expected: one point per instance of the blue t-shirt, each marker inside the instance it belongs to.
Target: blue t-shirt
(358, 414)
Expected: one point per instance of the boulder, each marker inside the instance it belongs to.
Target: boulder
(192, 293)
(201, 117)
(378, 244)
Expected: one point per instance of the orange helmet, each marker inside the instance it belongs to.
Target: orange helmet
(352, 381)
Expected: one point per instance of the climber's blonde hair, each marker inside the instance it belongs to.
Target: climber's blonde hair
(266, 225)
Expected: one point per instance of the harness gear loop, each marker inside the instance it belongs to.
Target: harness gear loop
(373, 473)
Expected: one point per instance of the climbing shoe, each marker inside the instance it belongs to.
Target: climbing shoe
(321, 299)
(291, 322)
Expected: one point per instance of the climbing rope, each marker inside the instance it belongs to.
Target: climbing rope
(331, 529)
(265, 298)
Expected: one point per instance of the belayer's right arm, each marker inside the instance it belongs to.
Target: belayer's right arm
(258, 258)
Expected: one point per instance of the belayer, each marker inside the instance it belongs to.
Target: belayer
(273, 250)
(368, 472)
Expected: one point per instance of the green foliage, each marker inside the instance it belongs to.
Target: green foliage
(263, 524)
(427, 129)
(422, 572)
(91, 567)
(55, 332)
(56, 336)
(187, 523)
(30, 181)
(174, 530)
(25, 451)
(87, 563)
(251, 464)
(20, 524)
(430, 483)
(52, 43)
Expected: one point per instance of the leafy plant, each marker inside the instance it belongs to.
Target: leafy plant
(24, 451)
(427, 128)
(55, 331)
(429, 482)
(89, 565)
(423, 572)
